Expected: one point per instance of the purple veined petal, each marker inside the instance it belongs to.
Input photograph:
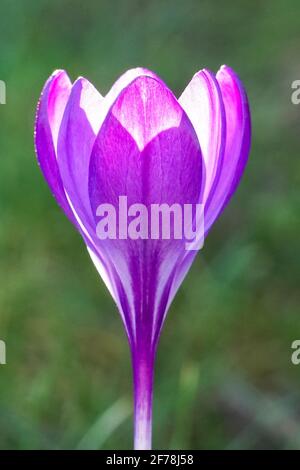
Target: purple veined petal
(202, 101)
(125, 79)
(237, 147)
(146, 150)
(79, 127)
(141, 110)
(122, 82)
(48, 118)
(59, 88)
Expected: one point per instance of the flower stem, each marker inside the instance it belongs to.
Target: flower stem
(143, 365)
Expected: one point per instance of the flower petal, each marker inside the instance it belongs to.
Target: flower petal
(125, 79)
(48, 118)
(141, 110)
(78, 130)
(202, 101)
(237, 147)
(146, 150)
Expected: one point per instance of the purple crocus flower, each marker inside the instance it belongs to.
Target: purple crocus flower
(139, 141)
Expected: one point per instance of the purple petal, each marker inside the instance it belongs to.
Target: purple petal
(124, 80)
(48, 118)
(202, 101)
(146, 150)
(238, 136)
(141, 110)
(78, 130)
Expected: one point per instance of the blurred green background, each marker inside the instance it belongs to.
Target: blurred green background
(224, 377)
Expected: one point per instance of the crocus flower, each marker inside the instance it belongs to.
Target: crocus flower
(139, 141)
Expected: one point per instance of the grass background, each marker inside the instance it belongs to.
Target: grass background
(224, 377)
